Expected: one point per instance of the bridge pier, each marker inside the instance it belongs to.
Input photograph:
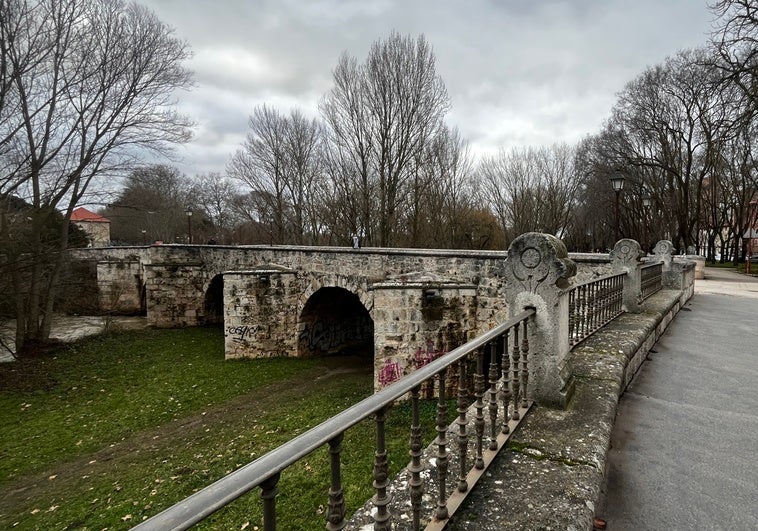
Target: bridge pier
(260, 312)
(417, 318)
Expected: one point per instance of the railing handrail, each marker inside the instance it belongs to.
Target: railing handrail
(597, 279)
(210, 499)
(653, 264)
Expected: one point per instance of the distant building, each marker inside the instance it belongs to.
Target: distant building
(97, 227)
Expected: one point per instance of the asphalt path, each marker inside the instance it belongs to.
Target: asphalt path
(684, 448)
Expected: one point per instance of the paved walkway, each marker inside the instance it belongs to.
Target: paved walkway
(684, 449)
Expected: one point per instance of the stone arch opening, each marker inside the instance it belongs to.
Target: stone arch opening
(214, 301)
(334, 321)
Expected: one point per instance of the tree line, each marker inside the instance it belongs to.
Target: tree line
(380, 162)
(87, 87)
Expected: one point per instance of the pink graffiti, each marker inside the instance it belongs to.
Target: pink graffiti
(426, 355)
(389, 373)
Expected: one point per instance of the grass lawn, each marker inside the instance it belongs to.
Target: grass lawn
(107, 432)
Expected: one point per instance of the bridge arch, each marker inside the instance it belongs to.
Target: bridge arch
(334, 320)
(213, 304)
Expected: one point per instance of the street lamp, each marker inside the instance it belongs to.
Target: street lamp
(144, 237)
(645, 212)
(188, 211)
(617, 181)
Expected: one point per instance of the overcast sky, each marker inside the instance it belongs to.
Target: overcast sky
(518, 72)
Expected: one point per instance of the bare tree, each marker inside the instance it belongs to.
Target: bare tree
(93, 83)
(735, 41)
(439, 194)
(531, 189)
(214, 196)
(382, 115)
(153, 199)
(280, 161)
(665, 132)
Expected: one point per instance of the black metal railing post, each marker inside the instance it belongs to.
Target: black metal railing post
(441, 512)
(415, 468)
(381, 475)
(335, 519)
(505, 383)
(493, 405)
(462, 422)
(268, 495)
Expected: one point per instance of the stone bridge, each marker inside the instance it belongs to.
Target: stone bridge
(403, 306)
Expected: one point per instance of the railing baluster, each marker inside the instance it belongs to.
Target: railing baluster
(462, 421)
(479, 420)
(595, 307)
(515, 380)
(585, 310)
(381, 476)
(524, 366)
(336, 514)
(415, 468)
(268, 495)
(505, 383)
(572, 316)
(441, 512)
(592, 305)
(493, 406)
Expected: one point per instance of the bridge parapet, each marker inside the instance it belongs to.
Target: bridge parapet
(538, 275)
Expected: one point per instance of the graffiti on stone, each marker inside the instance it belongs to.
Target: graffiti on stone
(426, 354)
(324, 336)
(390, 372)
(241, 334)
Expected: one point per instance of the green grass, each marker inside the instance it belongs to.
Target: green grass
(107, 432)
(726, 265)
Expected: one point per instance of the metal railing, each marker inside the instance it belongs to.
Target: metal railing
(594, 304)
(651, 279)
(500, 390)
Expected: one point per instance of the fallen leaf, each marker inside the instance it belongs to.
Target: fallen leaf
(127, 517)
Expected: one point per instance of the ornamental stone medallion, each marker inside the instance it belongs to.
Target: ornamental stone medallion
(627, 252)
(534, 258)
(663, 249)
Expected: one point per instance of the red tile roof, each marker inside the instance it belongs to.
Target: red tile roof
(82, 214)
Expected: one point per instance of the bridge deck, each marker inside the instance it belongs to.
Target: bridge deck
(684, 445)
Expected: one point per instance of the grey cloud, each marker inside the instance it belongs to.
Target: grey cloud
(517, 72)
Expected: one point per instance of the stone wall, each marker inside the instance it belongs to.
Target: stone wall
(120, 286)
(259, 320)
(98, 232)
(418, 304)
(418, 318)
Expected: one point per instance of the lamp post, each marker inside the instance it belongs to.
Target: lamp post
(617, 181)
(188, 211)
(144, 237)
(645, 213)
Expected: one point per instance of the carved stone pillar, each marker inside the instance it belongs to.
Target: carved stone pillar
(537, 275)
(626, 258)
(670, 276)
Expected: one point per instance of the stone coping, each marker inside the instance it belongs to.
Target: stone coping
(552, 471)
